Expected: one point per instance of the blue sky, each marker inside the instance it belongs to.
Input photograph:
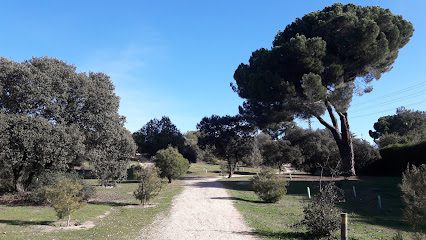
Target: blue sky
(177, 58)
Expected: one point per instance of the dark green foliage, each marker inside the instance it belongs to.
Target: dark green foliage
(230, 138)
(156, 135)
(39, 185)
(276, 153)
(313, 64)
(171, 163)
(32, 145)
(365, 154)
(268, 186)
(414, 196)
(317, 148)
(149, 186)
(396, 158)
(321, 216)
(406, 126)
(63, 112)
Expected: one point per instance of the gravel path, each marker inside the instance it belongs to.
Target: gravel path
(203, 210)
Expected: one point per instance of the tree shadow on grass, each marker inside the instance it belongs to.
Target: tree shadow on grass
(112, 204)
(25, 223)
(283, 235)
(239, 199)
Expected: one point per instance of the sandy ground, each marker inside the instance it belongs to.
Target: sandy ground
(203, 210)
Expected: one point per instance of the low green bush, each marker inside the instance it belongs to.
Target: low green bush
(268, 186)
(414, 196)
(38, 187)
(150, 184)
(321, 216)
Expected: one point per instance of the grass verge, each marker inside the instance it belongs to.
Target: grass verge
(125, 221)
(280, 220)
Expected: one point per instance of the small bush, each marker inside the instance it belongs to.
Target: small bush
(39, 185)
(268, 186)
(321, 216)
(414, 196)
(65, 196)
(150, 184)
(171, 163)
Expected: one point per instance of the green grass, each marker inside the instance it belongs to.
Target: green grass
(201, 169)
(366, 220)
(125, 221)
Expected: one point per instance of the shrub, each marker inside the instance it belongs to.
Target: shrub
(65, 196)
(321, 216)
(171, 163)
(268, 186)
(150, 184)
(414, 195)
(39, 185)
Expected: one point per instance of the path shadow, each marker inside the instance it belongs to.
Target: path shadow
(283, 235)
(25, 223)
(112, 204)
(238, 199)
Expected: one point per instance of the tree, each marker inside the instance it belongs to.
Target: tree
(268, 186)
(230, 136)
(406, 126)
(317, 147)
(156, 135)
(149, 186)
(414, 196)
(65, 197)
(317, 63)
(279, 152)
(31, 146)
(111, 156)
(171, 163)
(49, 91)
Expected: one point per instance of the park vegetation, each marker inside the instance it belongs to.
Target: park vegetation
(171, 163)
(53, 117)
(150, 184)
(268, 186)
(310, 70)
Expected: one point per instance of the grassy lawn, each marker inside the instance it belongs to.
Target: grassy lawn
(201, 169)
(366, 220)
(125, 221)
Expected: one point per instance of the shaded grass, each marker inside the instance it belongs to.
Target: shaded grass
(123, 223)
(280, 220)
(201, 169)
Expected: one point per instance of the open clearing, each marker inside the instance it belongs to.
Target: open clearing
(203, 210)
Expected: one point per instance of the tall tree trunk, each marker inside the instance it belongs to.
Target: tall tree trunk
(20, 180)
(343, 139)
(231, 166)
(346, 149)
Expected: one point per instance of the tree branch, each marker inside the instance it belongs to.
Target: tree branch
(333, 130)
(330, 112)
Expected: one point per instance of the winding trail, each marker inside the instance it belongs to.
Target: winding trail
(203, 210)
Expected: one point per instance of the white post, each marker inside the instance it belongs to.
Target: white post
(291, 178)
(309, 192)
(379, 200)
(354, 191)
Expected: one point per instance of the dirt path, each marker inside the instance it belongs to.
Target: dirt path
(203, 210)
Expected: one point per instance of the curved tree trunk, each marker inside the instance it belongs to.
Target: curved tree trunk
(343, 139)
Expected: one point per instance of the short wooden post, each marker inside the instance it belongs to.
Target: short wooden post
(379, 201)
(354, 191)
(309, 192)
(344, 226)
